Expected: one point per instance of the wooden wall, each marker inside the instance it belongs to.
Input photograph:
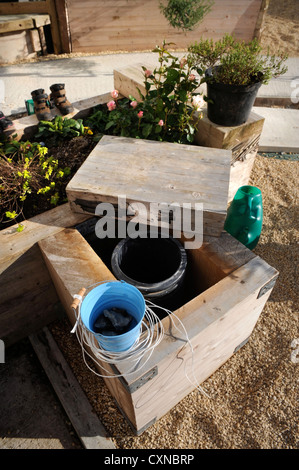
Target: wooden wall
(136, 25)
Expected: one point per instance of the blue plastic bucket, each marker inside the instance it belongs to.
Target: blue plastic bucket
(108, 295)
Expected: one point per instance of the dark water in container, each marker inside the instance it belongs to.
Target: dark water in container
(148, 263)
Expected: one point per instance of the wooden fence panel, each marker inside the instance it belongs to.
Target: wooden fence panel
(135, 25)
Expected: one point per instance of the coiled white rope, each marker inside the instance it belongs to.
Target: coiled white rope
(135, 358)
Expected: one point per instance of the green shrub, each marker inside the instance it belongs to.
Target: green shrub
(185, 14)
(60, 129)
(240, 63)
(26, 170)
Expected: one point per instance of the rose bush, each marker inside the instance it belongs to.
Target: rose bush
(167, 110)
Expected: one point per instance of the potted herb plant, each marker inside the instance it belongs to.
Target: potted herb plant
(234, 71)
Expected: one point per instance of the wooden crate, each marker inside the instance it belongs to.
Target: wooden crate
(150, 172)
(228, 286)
(63, 261)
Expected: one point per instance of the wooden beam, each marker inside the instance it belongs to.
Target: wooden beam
(10, 8)
(86, 423)
(63, 25)
(260, 19)
(54, 27)
(13, 23)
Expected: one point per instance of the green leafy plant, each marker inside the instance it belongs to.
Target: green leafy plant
(12, 216)
(165, 112)
(185, 14)
(60, 129)
(26, 170)
(239, 63)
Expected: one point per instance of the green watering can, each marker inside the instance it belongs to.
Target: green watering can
(245, 216)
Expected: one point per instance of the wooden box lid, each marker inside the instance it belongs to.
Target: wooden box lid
(154, 172)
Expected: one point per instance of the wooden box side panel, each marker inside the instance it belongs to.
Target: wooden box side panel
(28, 298)
(215, 329)
(73, 264)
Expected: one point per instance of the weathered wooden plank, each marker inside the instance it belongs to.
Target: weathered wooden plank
(153, 172)
(260, 19)
(63, 25)
(127, 80)
(9, 23)
(55, 30)
(13, 243)
(86, 423)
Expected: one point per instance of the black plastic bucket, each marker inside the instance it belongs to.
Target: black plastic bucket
(230, 105)
(156, 266)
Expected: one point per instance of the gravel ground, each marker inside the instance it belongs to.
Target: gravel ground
(254, 396)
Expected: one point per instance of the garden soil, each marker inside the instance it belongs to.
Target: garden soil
(253, 400)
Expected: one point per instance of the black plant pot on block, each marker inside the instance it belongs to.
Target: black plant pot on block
(229, 105)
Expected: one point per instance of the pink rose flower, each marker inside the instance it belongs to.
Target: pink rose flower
(161, 123)
(140, 114)
(191, 77)
(133, 104)
(147, 73)
(114, 94)
(111, 105)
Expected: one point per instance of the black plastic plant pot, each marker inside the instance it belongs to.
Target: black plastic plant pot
(230, 105)
(156, 266)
